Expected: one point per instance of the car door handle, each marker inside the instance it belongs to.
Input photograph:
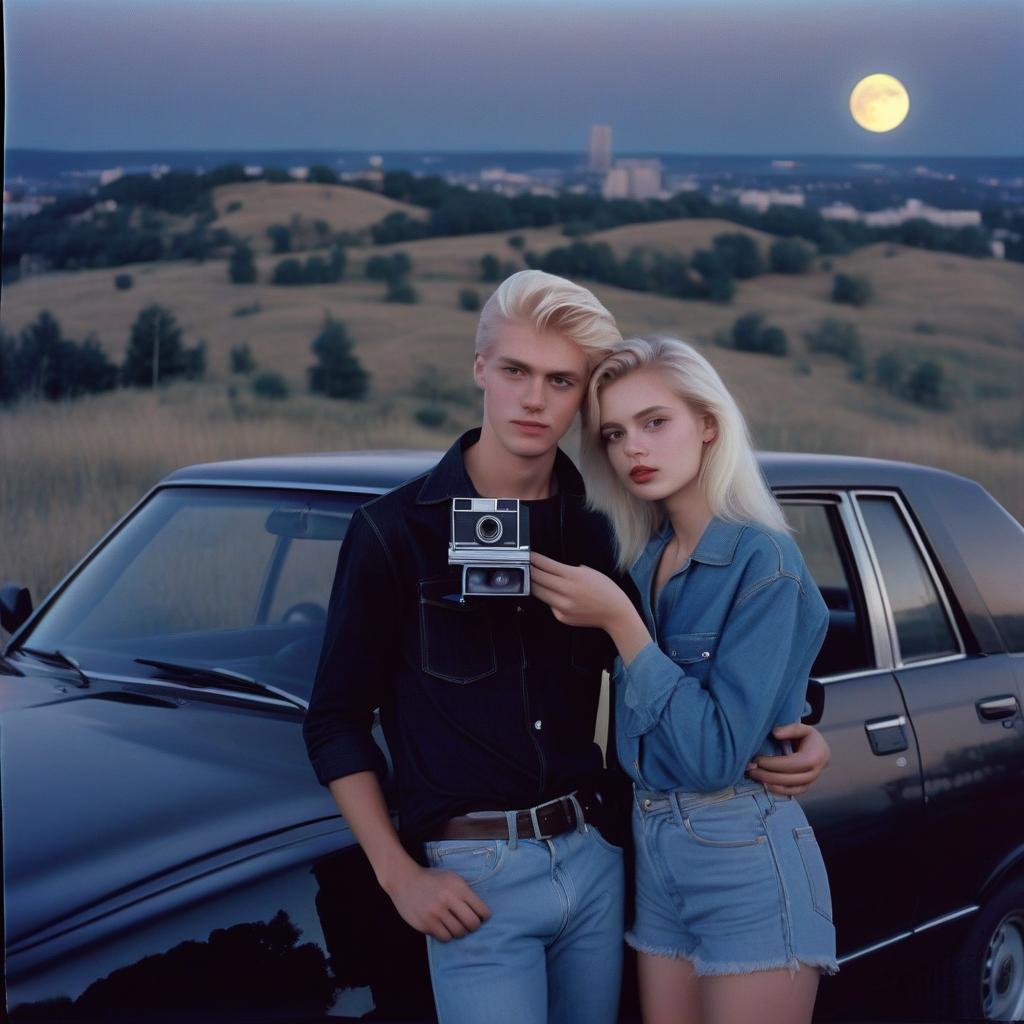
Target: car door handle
(993, 709)
(887, 735)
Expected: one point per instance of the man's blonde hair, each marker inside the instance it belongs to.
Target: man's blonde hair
(546, 302)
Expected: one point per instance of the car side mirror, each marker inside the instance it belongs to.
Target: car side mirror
(15, 606)
(816, 699)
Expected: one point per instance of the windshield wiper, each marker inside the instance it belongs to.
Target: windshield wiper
(63, 660)
(221, 678)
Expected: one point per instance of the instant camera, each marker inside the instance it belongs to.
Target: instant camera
(490, 539)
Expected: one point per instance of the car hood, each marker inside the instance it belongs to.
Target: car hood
(106, 787)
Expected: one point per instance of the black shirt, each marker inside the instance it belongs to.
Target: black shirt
(488, 704)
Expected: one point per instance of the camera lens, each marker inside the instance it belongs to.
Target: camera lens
(488, 529)
(500, 578)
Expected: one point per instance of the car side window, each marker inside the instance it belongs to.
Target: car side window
(305, 580)
(820, 535)
(923, 627)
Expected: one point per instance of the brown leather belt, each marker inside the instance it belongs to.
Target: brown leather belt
(541, 822)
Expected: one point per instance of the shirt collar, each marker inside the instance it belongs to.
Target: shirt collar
(449, 479)
(717, 545)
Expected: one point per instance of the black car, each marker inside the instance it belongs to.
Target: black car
(168, 853)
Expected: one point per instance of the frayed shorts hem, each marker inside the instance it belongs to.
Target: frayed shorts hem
(704, 969)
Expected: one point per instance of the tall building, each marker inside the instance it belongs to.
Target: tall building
(600, 148)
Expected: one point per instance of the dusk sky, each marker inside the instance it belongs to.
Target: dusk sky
(715, 76)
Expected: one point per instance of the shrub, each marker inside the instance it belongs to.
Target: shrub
(401, 291)
(241, 358)
(122, 282)
(839, 338)
(739, 254)
(789, 256)
(289, 272)
(388, 268)
(851, 289)
(490, 268)
(927, 385)
(270, 385)
(469, 300)
(337, 373)
(249, 310)
(280, 238)
(233, 206)
(431, 416)
(516, 241)
(891, 372)
(748, 335)
(242, 268)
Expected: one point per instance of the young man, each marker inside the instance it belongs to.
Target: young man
(489, 705)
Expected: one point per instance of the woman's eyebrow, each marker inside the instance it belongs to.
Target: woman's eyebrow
(642, 414)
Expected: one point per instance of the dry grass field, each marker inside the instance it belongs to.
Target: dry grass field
(68, 471)
(247, 209)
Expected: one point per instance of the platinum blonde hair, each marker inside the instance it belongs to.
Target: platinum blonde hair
(729, 473)
(549, 303)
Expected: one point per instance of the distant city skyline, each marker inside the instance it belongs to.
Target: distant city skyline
(716, 76)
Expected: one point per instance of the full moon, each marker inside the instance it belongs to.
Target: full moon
(879, 103)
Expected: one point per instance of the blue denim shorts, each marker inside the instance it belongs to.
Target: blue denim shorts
(732, 881)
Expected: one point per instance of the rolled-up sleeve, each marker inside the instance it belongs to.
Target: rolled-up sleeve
(356, 660)
(713, 729)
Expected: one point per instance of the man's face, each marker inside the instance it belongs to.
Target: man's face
(533, 384)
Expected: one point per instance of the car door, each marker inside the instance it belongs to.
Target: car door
(867, 808)
(965, 711)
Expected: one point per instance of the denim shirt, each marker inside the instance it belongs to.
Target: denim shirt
(736, 630)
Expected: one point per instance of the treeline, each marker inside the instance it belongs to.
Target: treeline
(708, 274)
(79, 232)
(41, 363)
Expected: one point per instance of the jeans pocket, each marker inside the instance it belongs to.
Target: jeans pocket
(814, 868)
(602, 842)
(456, 640)
(724, 823)
(473, 860)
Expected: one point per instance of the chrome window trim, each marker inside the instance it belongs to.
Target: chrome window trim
(915, 536)
(933, 923)
(863, 566)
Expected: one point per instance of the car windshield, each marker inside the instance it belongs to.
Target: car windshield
(230, 578)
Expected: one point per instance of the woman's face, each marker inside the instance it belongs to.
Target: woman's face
(654, 440)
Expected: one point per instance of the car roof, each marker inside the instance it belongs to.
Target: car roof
(378, 471)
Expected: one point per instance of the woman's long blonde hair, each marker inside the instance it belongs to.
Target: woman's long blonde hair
(729, 473)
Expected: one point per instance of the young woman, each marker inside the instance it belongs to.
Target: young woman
(733, 910)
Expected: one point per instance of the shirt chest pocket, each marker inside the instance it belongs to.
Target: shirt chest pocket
(456, 639)
(694, 653)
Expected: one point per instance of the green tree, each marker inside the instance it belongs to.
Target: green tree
(123, 282)
(241, 359)
(270, 385)
(854, 290)
(490, 267)
(280, 238)
(401, 291)
(839, 338)
(336, 263)
(155, 350)
(289, 272)
(739, 253)
(927, 385)
(337, 373)
(789, 256)
(242, 267)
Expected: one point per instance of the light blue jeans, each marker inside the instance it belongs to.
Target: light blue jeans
(551, 951)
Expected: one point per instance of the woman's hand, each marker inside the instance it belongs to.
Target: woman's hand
(577, 594)
(793, 774)
(581, 596)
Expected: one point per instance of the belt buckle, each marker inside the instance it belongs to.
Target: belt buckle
(537, 834)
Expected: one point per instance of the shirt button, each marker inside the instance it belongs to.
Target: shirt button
(647, 805)
(537, 725)
(705, 654)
